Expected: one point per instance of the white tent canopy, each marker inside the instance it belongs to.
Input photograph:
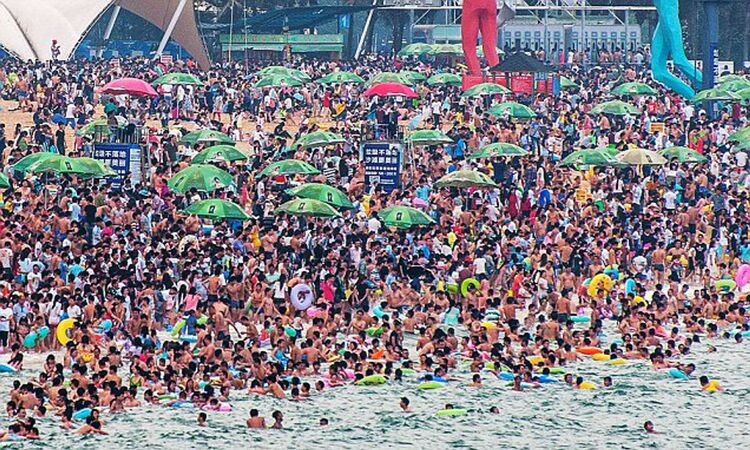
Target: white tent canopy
(28, 27)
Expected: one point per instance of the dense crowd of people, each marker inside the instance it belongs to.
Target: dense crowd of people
(127, 264)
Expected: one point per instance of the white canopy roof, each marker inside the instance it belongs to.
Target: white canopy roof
(28, 27)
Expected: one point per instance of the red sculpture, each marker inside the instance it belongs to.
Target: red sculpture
(479, 15)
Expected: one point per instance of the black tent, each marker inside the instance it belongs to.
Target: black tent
(521, 62)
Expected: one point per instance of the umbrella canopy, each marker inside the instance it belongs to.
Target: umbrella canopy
(683, 155)
(56, 164)
(278, 81)
(641, 157)
(323, 193)
(633, 89)
(202, 177)
(217, 209)
(412, 76)
(445, 78)
(404, 217)
(307, 207)
(319, 139)
(744, 94)
(734, 85)
(714, 94)
(465, 178)
(102, 125)
(341, 78)
(566, 83)
(445, 49)
(429, 137)
(743, 134)
(4, 181)
(94, 168)
(129, 86)
(206, 135)
(415, 49)
(388, 77)
(486, 89)
(24, 163)
(288, 167)
(390, 90)
(602, 156)
(744, 145)
(177, 78)
(285, 71)
(499, 149)
(730, 77)
(615, 108)
(512, 109)
(218, 152)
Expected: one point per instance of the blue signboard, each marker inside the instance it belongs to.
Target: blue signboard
(382, 164)
(125, 159)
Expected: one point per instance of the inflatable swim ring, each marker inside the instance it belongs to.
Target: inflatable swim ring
(177, 327)
(370, 380)
(677, 373)
(202, 320)
(547, 379)
(301, 296)
(43, 332)
(630, 286)
(580, 319)
(589, 350)
(600, 282)
(469, 282)
(428, 385)
(4, 368)
(451, 412)
(374, 331)
(616, 362)
(192, 339)
(452, 288)
(82, 414)
(587, 385)
(507, 376)
(30, 340)
(600, 357)
(62, 330)
(742, 277)
(726, 285)
(534, 360)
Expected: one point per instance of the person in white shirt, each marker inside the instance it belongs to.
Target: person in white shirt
(670, 200)
(741, 158)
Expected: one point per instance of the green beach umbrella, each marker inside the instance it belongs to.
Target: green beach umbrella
(278, 81)
(202, 177)
(744, 94)
(91, 127)
(23, 164)
(615, 108)
(512, 109)
(415, 49)
(388, 77)
(4, 181)
(412, 76)
(324, 193)
(744, 145)
(445, 49)
(715, 94)
(341, 78)
(307, 207)
(499, 149)
(445, 79)
(743, 134)
(641, 157)
(285, 72)
(404, 217)
(176, 78)
(633, 89)
(730, 77)
(566, 83)
(94, 168)
(602, 156)
(429, 137)
(734, 85)
(206, 135)
(683, 155)
(485, 89)
(218, 152)
(465, 178)
(217, 209)
(288, 167)
(57, 164)
(318, 139)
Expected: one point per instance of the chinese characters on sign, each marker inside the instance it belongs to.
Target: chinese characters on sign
(382, 164)
(125, 159)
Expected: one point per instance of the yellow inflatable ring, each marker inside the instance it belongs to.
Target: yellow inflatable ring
(465, 286)
(534, 360)
(600, 357)
(600, 282)
(62, 330)
(587, 385)
(616, 362)
(488, 325)
(87, 357)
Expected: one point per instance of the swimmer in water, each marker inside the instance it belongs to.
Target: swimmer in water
(202, 419)
(649, 427)
(494, 410)
(255, 421)
(607, 381)
(278, 417)
(323, 422)
(404, 404)
(710, 385)
(476, 381)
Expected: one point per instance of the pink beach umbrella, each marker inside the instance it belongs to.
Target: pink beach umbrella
(129, 86)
